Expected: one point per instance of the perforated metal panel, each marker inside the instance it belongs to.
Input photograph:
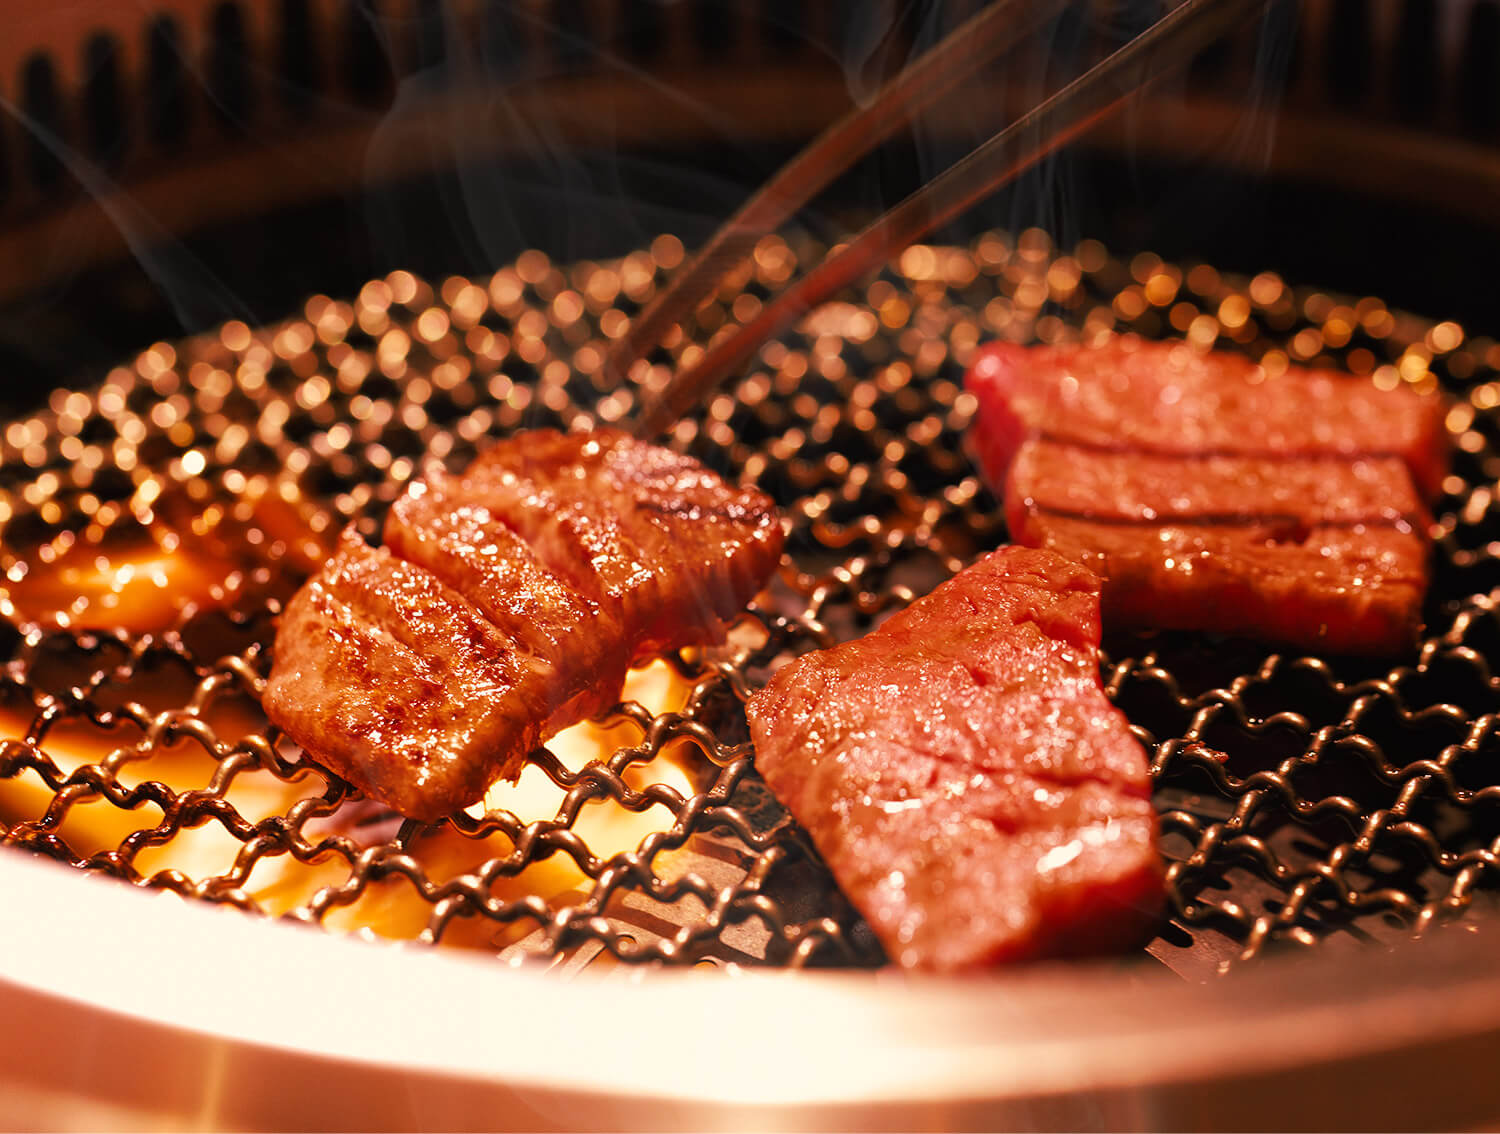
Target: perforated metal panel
(152, 526)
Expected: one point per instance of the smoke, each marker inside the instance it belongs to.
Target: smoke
(865, 47)
(518, 169)
(1086, 187)
(196, 295)
(542, 129)
(1215, 176)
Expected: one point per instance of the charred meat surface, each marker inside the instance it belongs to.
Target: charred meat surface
(508, 602)
(395, 681)
(1210, 496)
(963, 775)
(669, 546)
(576, 639)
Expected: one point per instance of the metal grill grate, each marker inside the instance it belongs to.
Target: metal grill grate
(1304, 800)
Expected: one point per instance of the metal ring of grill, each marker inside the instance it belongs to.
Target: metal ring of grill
(1305, 801)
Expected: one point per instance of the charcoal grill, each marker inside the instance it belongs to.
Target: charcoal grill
(1310, 805)
(1329, 822)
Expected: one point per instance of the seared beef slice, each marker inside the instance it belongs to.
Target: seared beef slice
(1211, 496)
(508, 603)
(963, 775)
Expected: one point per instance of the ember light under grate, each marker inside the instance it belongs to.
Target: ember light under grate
(153, 525)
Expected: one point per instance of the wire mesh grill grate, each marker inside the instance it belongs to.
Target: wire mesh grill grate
(153, 525)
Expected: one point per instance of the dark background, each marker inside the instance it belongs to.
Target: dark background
(468, 209)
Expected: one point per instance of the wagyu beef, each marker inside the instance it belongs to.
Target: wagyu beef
(961, 772)
(649, 534)
(507, 603)
(1168, 398)
(400, 685)
(1210, 496)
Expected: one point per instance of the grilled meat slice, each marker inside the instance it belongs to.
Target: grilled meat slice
(962, 774)
(1353, 589)
(577, 642)
(508, 603)
(1167, 398)
(1209, 497)
(1055, 477)
(400, 685)
(644, 531)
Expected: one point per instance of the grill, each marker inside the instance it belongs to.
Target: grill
(1311, 806)
(1306, 801)
(1318, 813)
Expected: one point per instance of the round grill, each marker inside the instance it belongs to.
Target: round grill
(153, 525)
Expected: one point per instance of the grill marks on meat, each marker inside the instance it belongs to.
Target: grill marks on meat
(508, 602)
(358, 683)
(963, 775)
(642, 529)
(573, 639)
(1211, 497)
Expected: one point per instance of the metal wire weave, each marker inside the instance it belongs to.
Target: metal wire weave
(1304, 800)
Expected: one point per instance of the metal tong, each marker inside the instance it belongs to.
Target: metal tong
(1165, 46)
